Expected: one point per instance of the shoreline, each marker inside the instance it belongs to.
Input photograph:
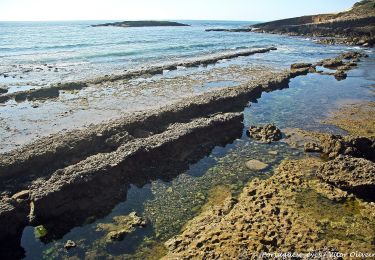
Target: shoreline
(352, 27)
(105, 145)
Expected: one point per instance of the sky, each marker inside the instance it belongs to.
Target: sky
(244, 10)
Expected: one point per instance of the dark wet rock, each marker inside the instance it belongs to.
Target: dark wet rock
(72, 86)
(356, 175)
(332, 63)
(43, 93)
(347, 66)
(311, 147)
(340, 75)
(300, 65)
(301, 71)
(69, 245)
(353, 55)
(267, 133)
(13, 218)
(4, 99)
(21, 96)
(3, 90)
(361, 147)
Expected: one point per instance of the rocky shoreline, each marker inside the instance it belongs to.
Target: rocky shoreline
(353, 27)
(40, 180)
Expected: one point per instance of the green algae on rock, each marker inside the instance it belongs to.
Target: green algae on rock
(282, 213)
(40, 231)
(122, 226)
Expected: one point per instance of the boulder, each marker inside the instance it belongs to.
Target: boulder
(267, 133)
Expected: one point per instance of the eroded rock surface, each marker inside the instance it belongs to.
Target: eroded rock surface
(361, 147)
(290, 212)
(352, 174)
(267, 133)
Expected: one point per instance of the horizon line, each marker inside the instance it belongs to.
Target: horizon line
(88, 20)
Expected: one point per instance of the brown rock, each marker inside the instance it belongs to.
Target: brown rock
(267, 133)
(361, 147)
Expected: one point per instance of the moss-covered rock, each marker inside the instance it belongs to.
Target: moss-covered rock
(121, 226)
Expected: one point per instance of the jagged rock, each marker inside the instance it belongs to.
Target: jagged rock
(352, 55)
(267, 133)
(332, 63)
(340, 75)
(256, 165)
(361, 147)
(351, 174)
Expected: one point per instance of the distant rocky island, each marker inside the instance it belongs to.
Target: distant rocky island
(141, 24)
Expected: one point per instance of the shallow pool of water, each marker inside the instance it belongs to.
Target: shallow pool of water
(168, 205)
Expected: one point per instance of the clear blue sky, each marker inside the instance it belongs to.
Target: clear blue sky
(247, 10)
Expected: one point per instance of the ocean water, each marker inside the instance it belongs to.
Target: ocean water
(40, 53)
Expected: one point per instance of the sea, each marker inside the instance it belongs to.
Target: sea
(41, 53)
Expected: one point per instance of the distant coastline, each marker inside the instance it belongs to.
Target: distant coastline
(352, 27)
(141, 24)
